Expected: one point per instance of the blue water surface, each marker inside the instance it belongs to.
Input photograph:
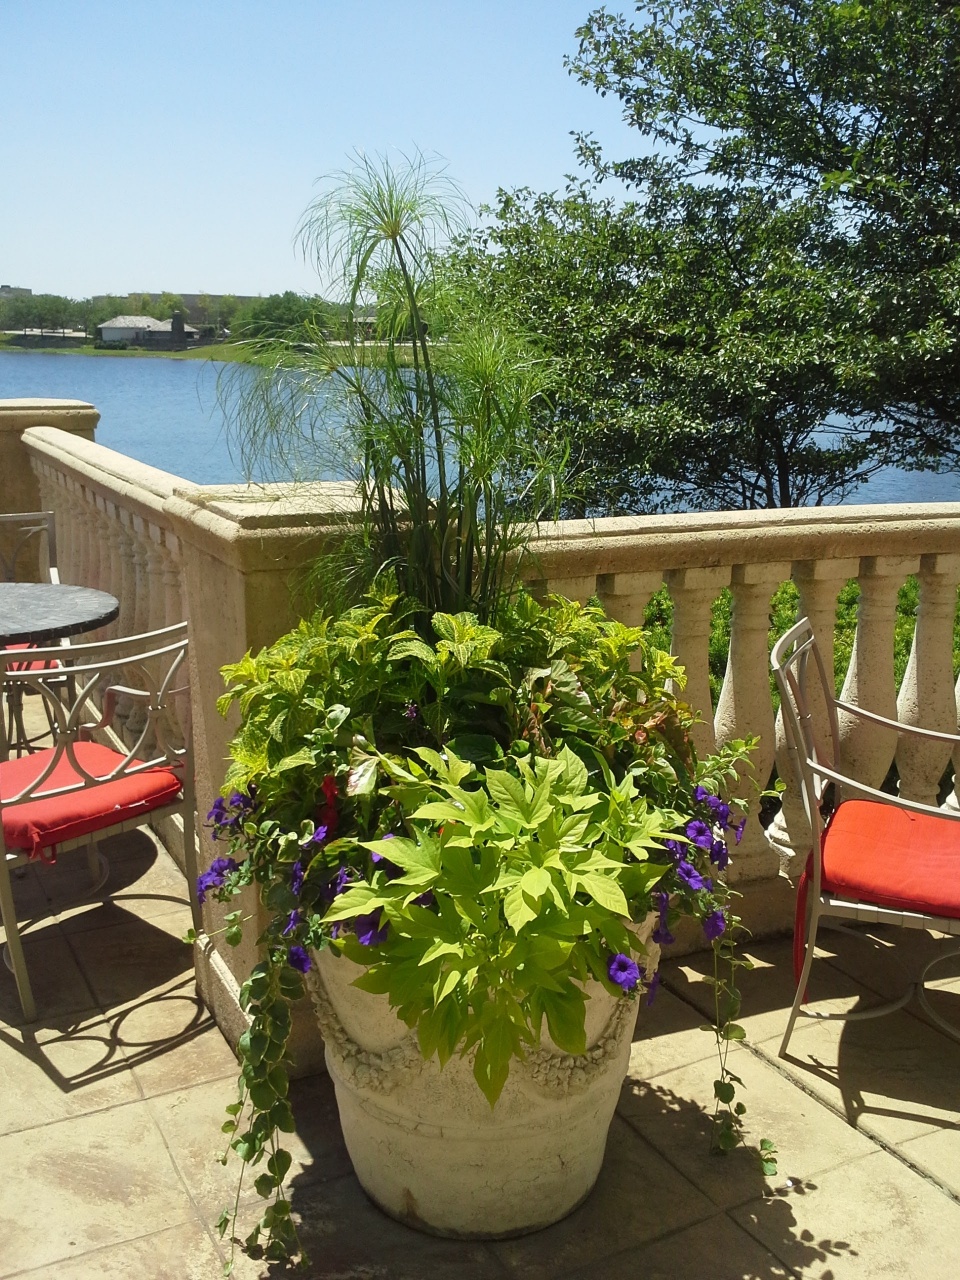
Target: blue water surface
(166, 413)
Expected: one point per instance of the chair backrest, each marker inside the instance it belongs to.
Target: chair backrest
(84, 688)
(810, 718)
(22, 538)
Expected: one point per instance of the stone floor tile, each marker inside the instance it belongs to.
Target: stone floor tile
(143, 879)
(59, 986)
(168, 1038)
(894, 1077)
(713, 1250)
(938, 1154)
(667, 1037)
(883, 957)
(126, 961)
(190, 1121)
(869, 1218)
(70, 1066)
(184, 1252)
(349, 1238)
(638, 1197)
(85, 1182)
(674, 1111)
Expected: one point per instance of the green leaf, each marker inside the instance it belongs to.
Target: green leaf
(362, 778)
(491, 1065)
(733, 1032)
(565, 1019)
(536, 881)
(517, 909)
(604, 890)
(295, 761)
(279, 1164)
(723, 1091)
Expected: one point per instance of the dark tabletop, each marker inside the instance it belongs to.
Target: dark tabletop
(34, 612)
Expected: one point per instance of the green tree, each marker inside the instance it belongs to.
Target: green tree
(277, 314)
(852, 103)
(166, 305)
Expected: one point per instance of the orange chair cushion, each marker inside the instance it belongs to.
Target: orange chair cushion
(874, 852)
(36, 826)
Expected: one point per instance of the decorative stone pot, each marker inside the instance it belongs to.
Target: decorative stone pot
(425, 1143)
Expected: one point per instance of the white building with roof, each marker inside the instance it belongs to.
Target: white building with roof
(141, 330)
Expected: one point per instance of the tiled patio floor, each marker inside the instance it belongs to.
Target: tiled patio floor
(113, 1101)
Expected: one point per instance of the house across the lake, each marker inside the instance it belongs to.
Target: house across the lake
(144, 331)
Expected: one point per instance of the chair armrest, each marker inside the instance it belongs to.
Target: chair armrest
(884, 797)
(896, 724)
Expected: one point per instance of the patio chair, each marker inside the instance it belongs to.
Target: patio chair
(89, 784)
(875, 857)
(21, 534)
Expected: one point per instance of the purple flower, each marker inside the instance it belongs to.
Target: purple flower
(691, 877)
(296, 879)
(336, 884)
(293, 919)
(425, 899)
(411, 711)
(674, 848)
(214, 877)
(738, 829)
(719, 808)
(368, 929)
(298, 958)
(318, 838)
(699, 833)
(702, 795)
(714, 925)
(661, 933)
(720, 854)
(623, 971)
(218, 814)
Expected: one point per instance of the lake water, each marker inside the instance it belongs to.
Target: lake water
(166, 413)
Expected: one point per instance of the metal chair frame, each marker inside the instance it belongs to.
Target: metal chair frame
(823, 786)
(100, 675)
(26, 526)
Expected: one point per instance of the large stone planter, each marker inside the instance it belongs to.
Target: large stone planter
(425, 1143)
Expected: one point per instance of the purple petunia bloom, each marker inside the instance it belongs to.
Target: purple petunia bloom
(720, 854)
(699, 833)
(214, 877)
(293, 919)
(623, 971)
(674, 848)
(702, 795)
(738, 829)
(691, 877)
(661, 933)
(298, 958)
(426, 899)
(368, 929)
(296, 879)
(714, 925)
(335, 885)
(319, 837)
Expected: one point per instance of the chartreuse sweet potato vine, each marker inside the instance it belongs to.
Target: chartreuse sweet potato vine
(477, 822)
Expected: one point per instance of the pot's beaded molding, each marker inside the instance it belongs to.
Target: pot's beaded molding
(558, 1074)
(376, 1072)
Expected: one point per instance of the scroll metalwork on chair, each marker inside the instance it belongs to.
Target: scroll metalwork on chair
(89, 784)
(875, 857)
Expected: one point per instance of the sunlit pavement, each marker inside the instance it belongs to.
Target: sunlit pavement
(113, 1102)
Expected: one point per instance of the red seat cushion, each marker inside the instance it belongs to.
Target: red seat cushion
(37, 825)
(874, 852)
(52, 664)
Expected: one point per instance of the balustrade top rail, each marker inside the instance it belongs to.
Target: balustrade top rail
(169, 549)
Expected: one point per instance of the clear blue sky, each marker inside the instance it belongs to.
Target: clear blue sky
(167, 145)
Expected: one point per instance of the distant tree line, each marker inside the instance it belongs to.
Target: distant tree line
(214, 315)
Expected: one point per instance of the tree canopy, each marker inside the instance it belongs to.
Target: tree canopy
(773, 313)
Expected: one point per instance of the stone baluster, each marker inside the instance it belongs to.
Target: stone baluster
(172, 586)
(926, 695)
(68, 535)
(84, 535)
(866, 749)
(579, 588)
(114, 558)
(156, 591)
(745, 706)
(624, 596)
(693, 592)
(48, 502)
(819, 582)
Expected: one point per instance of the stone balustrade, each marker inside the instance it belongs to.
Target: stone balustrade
(227, 557)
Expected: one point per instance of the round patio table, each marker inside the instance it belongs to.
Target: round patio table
(33, 612)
